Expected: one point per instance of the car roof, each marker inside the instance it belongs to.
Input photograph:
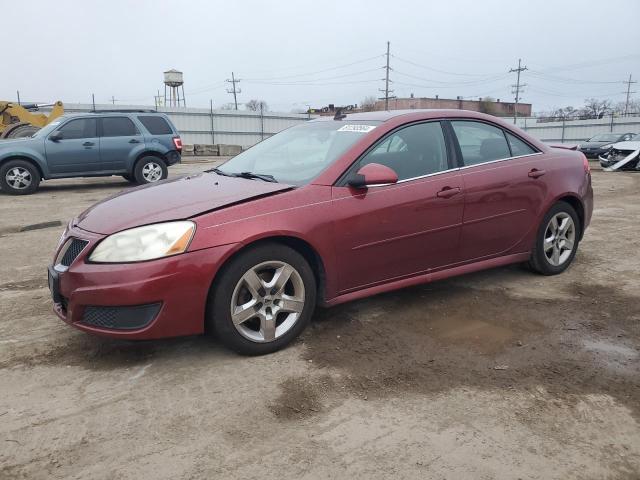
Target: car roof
(118, 113)
(385, 115)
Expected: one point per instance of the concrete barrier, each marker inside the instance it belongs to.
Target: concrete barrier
(206, 150)
(188, 150)
(229, 150)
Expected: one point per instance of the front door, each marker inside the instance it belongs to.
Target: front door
(392, 231)
(77, 151)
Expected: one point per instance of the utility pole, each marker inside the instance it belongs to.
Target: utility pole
(234, 90)
(113, 100)
(517, 87)
(386, 90)
(629, 92)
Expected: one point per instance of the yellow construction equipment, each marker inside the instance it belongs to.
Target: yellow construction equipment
(22, 120)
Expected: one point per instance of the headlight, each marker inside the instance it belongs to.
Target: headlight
(607, 147)
(144, 243)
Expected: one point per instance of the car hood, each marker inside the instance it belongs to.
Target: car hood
(174, 199)
(14, 142)
(593, 144)
(631, 145)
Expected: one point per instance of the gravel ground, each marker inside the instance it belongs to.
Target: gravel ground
(499, 374)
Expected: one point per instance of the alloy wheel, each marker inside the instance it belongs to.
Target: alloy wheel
(267, 301)
(559, 239)
(151, 172)
(18, 178)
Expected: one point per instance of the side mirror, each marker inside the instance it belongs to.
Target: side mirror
(373, 174)
(55, 136)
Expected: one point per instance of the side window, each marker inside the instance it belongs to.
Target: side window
(79, 128)
(155, 125)
(480, 142)
(118, 127)
(518, 147)
(412, 151)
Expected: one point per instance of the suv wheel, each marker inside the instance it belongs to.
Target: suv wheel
(150, 170)
(557, 240)
(262, 300)
(19, 177)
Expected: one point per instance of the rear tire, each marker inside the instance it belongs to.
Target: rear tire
(556, 241)
(150, 170)
(262, 300)
(20, 131)
(19, 177)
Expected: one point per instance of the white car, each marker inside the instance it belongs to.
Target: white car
(622, 156)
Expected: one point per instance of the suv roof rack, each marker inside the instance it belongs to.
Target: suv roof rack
(131, 110)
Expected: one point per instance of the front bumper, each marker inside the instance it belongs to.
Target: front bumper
(143, 300)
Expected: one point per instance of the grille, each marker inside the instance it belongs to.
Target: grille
(120, 318)
(100, 316)
(72, 252)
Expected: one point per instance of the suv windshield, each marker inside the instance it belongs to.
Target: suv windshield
(297, 155)
(605, 137)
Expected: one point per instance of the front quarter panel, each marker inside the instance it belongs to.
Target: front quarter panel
(302, 213)
(32, 149)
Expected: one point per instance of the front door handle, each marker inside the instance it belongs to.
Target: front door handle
(88, 144)
(133, 140)
(535, 173)
(448, 192)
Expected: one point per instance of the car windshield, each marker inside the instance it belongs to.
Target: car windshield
(49, 128)
(605, 137)
(298, 155)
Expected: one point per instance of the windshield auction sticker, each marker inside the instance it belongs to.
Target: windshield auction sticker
(357, 128)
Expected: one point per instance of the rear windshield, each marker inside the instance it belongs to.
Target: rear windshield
(156, 125)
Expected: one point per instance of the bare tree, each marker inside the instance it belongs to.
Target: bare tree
(594, 108)
(487, 105)
(256, 105)
(368, 103)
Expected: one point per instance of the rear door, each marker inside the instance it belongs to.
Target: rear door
(118, 137)
(393, 231)
(78, 151)
(504, 188)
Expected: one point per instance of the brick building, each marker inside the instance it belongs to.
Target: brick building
(497, 108)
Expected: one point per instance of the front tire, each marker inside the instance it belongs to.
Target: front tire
(19, 177)
(557, 240)
(150, 170)
(263, 299)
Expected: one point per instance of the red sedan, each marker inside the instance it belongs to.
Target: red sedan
(321, 213)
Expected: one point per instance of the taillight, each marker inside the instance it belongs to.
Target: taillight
(585, 163)
(177, 141)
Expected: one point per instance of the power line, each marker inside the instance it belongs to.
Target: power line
(318, 71)
(517, 87)
(436, 70)
(386, 90)
(234, 90)
(629, 92)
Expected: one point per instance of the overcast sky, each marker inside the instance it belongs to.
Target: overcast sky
(297, 52)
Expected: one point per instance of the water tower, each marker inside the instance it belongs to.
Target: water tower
(173, 80)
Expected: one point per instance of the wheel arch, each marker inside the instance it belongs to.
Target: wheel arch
(296, 243)
(24, 158)
(148, 153)
(577, 205)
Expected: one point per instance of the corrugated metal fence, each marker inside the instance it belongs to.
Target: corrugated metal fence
(205, 126)
(246, 128)
(573, 131)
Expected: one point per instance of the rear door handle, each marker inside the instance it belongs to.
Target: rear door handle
(448, 192)
(88, 144)
(535, 173)
(133, 140)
